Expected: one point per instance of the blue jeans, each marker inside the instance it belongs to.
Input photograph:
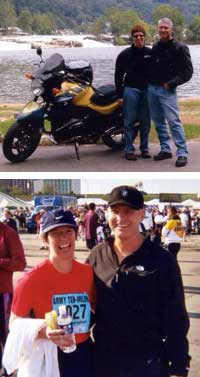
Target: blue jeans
(135, 108)
(164, 111)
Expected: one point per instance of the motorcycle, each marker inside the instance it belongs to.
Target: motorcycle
(77, 112)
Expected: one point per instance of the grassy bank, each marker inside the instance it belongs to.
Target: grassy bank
(189, 113)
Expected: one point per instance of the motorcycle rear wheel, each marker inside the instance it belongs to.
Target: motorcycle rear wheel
(114, 140)
(20, 141)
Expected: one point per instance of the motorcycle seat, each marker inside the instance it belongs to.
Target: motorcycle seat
(104, 95)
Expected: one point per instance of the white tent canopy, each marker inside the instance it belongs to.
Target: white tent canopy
(189, 203)
(97, 201)
(153, 202)
(196, 205)
(9, 201)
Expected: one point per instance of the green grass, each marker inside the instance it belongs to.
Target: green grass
(4, 125)
(192, 131)
(189, 111)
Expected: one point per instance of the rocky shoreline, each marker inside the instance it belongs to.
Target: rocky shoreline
(62, 41)
(56, 43)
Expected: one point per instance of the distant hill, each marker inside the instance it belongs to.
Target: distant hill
(69, 12)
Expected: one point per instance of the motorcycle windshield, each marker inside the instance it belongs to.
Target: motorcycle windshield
(53, 64)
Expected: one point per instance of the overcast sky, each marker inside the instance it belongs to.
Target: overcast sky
(151, 186)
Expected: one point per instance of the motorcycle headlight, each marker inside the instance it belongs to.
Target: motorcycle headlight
(36, 87)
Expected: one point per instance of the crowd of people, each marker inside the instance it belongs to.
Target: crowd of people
(92, 221)
(16, 219)
(126, 301)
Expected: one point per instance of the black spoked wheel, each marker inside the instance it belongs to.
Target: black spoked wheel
(21, 141)
(114, 139)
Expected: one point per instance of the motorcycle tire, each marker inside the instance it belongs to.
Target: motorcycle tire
(114, 141)
(20, 141)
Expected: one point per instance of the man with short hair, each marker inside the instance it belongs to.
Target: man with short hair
(171, 66)
(131, 73)
(141, 319)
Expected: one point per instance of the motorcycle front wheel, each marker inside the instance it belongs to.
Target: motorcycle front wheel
(114, 139)
(20, 141)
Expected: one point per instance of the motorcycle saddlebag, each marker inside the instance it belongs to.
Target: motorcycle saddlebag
(81, 70)
(104, 95)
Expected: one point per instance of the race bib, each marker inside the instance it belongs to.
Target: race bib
(78, 307)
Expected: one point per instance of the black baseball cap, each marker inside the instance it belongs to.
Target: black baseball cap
(126, 195)
(54, 219)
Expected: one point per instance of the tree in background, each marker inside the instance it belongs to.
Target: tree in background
(4, 189)
(16, 191)
(174, 14)
(7, 14)
(42, 23)
(193, 32)
(118, 22)
(25, 20)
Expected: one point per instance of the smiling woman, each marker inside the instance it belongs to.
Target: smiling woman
(58, 231)
(59, 279)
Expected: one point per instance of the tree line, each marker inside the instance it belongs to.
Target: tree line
(115, 20)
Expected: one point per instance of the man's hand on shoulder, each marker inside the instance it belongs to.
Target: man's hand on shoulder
(120, 101)
(166, 87)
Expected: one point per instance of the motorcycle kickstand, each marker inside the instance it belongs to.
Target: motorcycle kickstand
(76, 145)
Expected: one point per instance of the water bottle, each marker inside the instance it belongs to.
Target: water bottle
(64, 321)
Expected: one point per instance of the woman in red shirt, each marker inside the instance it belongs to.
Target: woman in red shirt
(60, 280)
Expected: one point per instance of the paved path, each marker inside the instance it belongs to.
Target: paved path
(97, 158)
(189, 260)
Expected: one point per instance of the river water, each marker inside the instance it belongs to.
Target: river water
(14, 64)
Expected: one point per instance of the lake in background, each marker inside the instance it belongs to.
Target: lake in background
(14, 64)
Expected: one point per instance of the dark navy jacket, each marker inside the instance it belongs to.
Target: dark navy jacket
(132, 68)
(170, 63)
(140, 304)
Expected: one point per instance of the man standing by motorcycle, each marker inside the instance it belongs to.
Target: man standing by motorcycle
(131, 72)
(171, 66)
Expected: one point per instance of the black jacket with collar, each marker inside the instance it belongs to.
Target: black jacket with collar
(140, 303)
(132, 68)
(170, 63)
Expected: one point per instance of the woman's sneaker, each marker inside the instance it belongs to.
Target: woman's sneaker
(130, 156)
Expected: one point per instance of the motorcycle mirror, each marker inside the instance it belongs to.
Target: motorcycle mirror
(39, 51)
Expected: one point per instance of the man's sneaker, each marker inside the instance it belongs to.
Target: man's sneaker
(130, 156)
(181, 161)
(145, 154)
(162, 156)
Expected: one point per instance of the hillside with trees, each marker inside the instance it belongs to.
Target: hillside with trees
(105, 16)
(87, 10)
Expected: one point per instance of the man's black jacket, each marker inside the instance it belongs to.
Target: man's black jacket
(170, 63)
(132, 67)
(140, 304)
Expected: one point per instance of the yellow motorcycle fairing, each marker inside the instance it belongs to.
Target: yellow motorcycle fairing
(82, 97)
(30, 107)
(81, 94)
